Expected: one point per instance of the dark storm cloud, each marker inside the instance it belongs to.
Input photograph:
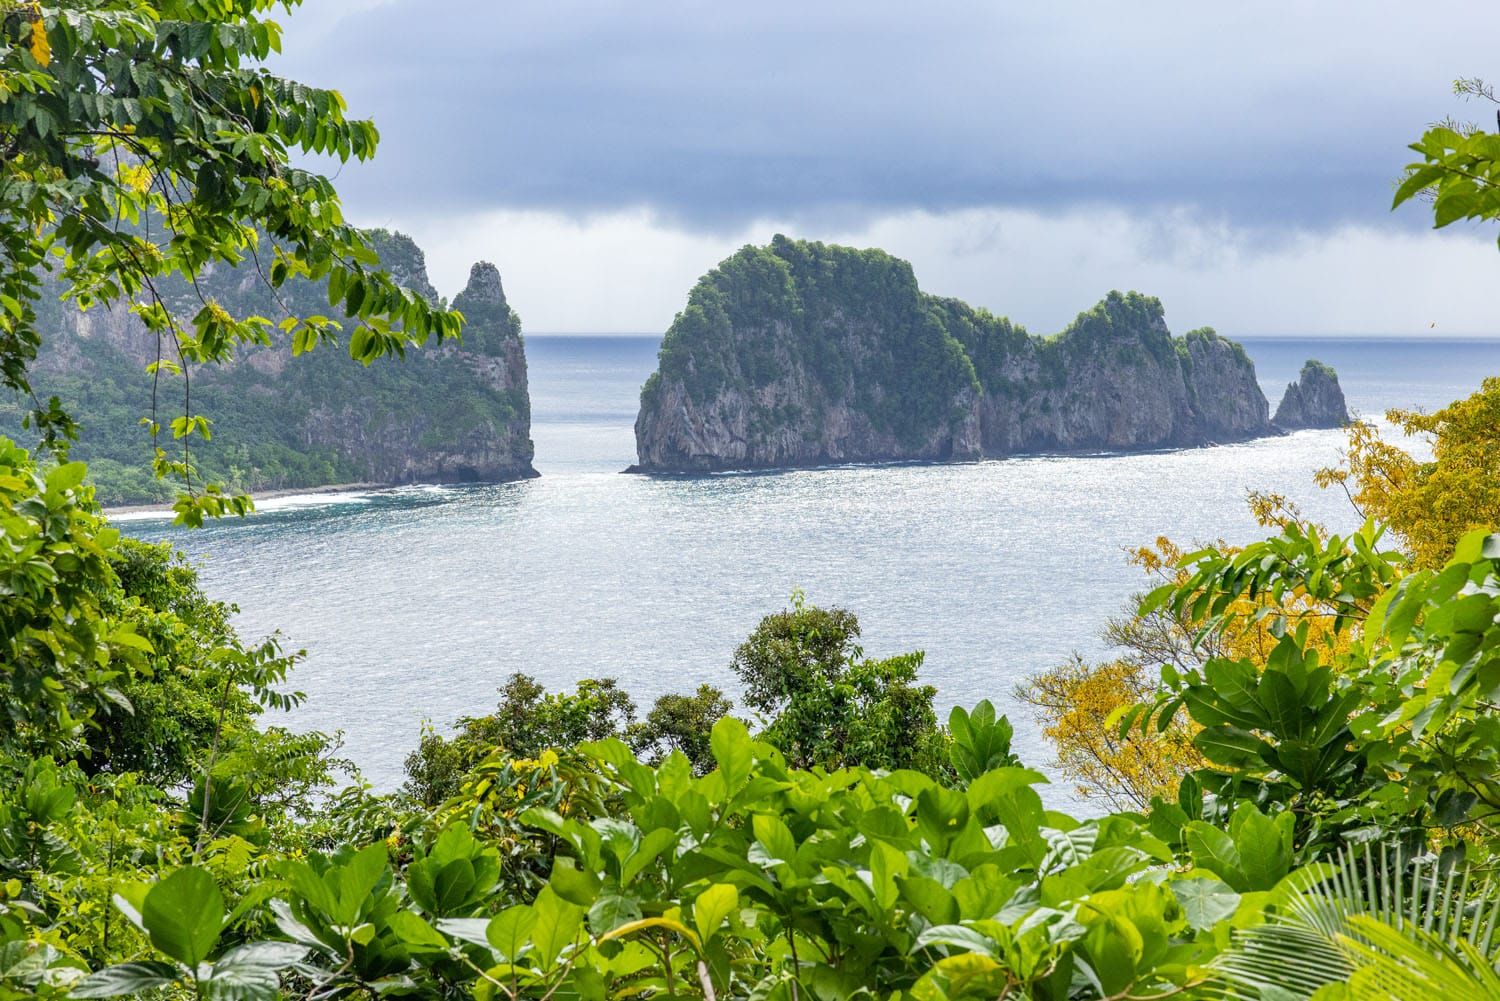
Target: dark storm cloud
(716, 113)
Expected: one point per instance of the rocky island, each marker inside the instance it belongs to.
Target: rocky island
(803, 354)
(1313, 401)
(446, 413)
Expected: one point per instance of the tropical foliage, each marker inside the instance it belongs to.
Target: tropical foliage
(582, 870)
(1429, 502)
(277, 424)
(1331, 701)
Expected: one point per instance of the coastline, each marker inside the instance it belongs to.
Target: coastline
(257, 496)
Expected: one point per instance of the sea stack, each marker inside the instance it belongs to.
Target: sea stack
(804, 354)
(1313, 401)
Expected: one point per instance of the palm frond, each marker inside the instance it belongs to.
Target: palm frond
(1385, 926)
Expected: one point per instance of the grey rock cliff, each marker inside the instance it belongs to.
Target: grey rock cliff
(802, 354)
(445, 413)
(492, 441)
(1315, 400)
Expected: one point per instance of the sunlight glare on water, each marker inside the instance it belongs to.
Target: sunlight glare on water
(415, 604)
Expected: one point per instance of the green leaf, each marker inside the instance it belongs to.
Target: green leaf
(1214, 850)
(1263, 857)
(250, 972)
(886, 863)
(712, 906)
(1229, 746)
(731, 746)
(1114, 948)
(930, 899)
(409, 927)
(125, 978)
(959, 937)
(652, 845)
(942, 813)
(774, 836)
(510, 931)
(1205, 902)
(184, 914)
(557, 925)
(66, 477)
(574, 885)
(611, 911)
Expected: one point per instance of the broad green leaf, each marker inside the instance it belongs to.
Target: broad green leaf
(711, 908)
(1214, 850)
(774, 836)
(731, 746)
(1205, 902)
(1264, 858)
(184, 914)
(959, 937)
(574, 885)
(251, 972)
(510, 931)
(557, 926)
(411, 929)
(611, 911)
(125, 978)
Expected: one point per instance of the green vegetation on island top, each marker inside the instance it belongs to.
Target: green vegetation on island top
(809, 286)
(803, 353)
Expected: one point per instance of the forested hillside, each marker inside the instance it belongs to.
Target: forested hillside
(442, 413)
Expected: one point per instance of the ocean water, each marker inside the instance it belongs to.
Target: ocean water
(413, 605)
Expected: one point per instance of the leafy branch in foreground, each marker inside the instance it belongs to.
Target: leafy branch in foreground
(1460, 167)
(142, 144)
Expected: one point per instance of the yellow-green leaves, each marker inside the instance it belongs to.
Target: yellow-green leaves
(713, 907)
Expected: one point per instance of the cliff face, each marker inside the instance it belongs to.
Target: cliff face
(1315, 400)
(801, 354)
(446, 413)
(491, 439)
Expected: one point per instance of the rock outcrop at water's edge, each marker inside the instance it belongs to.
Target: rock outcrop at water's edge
(802, 354)
(483, 436)
(1315, 400)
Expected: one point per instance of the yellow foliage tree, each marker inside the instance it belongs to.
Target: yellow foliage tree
(1429, 505)
(1077, 703)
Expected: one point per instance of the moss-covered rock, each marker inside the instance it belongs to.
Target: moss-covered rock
(802, 354)
(1315, 400)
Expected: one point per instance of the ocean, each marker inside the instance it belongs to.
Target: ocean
(413, 605)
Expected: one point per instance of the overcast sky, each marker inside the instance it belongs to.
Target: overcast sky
(1238, 161)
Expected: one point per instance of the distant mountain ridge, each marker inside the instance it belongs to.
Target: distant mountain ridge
(447, 413)
(801, 353)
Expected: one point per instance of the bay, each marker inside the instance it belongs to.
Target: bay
(415, 604)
